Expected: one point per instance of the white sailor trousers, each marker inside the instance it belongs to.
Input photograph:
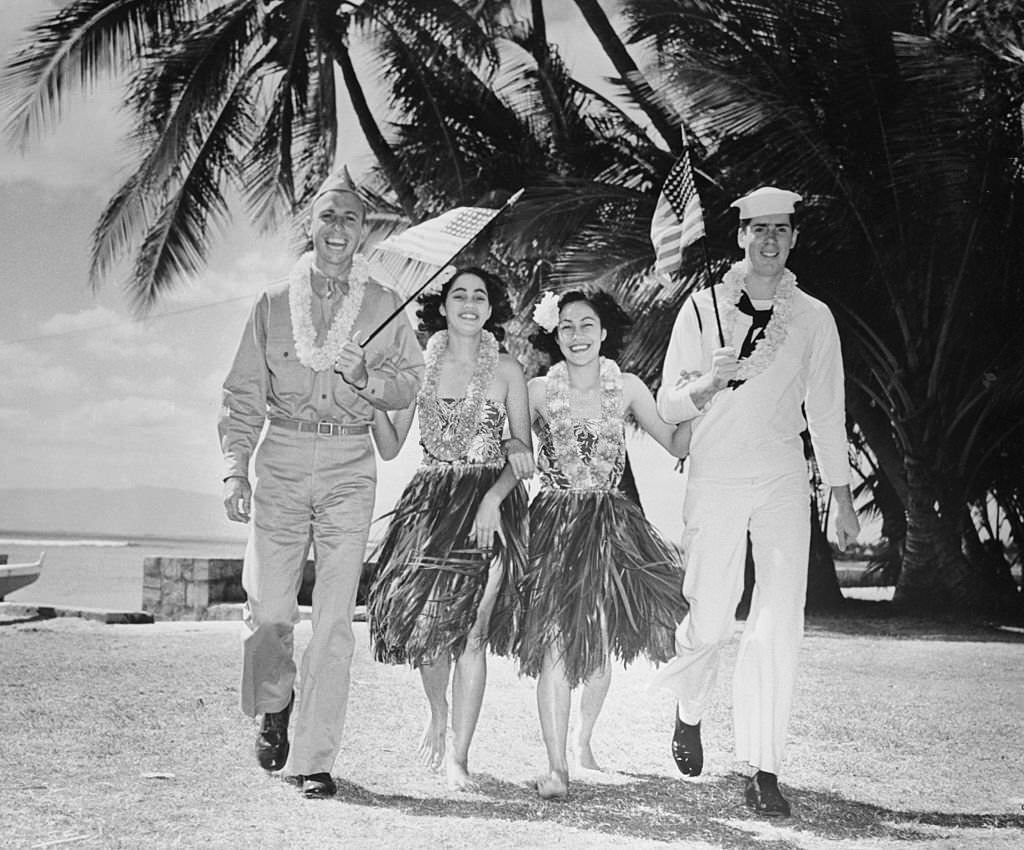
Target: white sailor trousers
(718, 513)
(309, 488)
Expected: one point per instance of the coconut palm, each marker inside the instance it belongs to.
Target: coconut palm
(229, 98)
(901, 129)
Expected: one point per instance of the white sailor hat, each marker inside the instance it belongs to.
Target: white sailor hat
(338, 181)
(766, 201)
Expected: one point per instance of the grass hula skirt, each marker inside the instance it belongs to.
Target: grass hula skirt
(430, 576)
(601, 579)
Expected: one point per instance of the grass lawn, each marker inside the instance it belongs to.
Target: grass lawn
(906, 734)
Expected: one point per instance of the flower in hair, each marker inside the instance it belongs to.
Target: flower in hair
(545, 313)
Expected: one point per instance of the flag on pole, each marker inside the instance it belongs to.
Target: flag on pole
(411, 256)
(437, 239)
(678, 220)
(421, 255)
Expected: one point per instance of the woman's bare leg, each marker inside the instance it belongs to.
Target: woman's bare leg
(468, 685)
(592, 697)
(554, 698)
(435, 685)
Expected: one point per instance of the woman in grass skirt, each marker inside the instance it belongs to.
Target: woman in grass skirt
(453, 558)
(601, 580)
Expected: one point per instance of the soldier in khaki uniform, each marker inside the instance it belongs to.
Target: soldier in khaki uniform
(300, 374)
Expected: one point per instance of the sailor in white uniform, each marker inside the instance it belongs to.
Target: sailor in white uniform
(778, 372)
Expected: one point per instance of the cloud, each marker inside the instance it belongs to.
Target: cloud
(129, 412)
(108, 334)
(23, 371)
(159, 386)
(14, 416)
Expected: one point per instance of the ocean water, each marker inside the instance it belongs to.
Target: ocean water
(99, 572)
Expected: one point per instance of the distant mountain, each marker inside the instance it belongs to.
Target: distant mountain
(138, 512)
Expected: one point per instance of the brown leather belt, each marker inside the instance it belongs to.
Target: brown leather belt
(323, 428)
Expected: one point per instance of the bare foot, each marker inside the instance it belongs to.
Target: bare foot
(554, 785)
(585, 758)
(457, 775)
(432, 744)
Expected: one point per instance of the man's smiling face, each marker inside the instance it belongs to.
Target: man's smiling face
(336, 228)
(766, 241)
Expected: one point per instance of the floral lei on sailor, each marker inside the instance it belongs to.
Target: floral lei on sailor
(446, 444)
(300, 293)
(595, 474)
(775, 331)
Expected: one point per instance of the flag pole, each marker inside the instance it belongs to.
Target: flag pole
(704, 246)
(504, 208)
(714, 298)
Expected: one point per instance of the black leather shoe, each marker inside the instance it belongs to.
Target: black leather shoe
(687, 749)
(764, 797)
(272, 742)
(318, 786)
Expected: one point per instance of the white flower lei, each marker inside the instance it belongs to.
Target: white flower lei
(595, 474)
(300, 292)
(454, 447)
(775, 331)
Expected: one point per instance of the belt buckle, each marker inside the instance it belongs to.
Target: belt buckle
(325, 429)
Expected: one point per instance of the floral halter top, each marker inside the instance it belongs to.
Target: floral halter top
(586, 430)
(485, 445)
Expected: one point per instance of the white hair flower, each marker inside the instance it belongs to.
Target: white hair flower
(545, 313)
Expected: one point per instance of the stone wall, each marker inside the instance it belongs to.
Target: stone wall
(186, 588)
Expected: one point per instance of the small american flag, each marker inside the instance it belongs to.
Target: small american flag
(678, 220)
(437, 240)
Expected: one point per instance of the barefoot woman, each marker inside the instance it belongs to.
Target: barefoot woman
(601, 580)
(455, 550)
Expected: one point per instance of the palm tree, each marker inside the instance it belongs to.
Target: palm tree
(229, 98)
(901, 130)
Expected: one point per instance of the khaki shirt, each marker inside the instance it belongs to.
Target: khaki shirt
(267, 380)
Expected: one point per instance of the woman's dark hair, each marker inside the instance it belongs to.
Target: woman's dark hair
(429, 312)
(614, 321)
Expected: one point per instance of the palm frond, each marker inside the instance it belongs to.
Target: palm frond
(176, 98)
(176, 243)
(72, 48)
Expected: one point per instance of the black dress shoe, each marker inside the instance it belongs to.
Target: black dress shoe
(272, 742)
(764, 797)
(318, 786)
(687, 749)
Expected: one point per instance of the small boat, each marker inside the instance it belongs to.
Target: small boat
(16, 576)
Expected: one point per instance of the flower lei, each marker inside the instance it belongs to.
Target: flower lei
(584, 475)
(300, 292)
(452, 444)
(775, 331)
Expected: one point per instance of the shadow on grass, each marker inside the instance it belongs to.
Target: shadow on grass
(657, 808)
(39, 616)
(863, 618)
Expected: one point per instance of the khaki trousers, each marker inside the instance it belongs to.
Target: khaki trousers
(718, 514)
(309, 489)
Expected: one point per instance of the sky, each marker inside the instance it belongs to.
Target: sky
(90, 397)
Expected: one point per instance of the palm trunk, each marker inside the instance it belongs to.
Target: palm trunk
(542, 54)
(823, 592)
(371, 131)
(634, 80)
(935, 574)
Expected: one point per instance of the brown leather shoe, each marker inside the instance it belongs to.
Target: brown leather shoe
(687, 749)
(763, 795)
(318, 786)
(272, 742)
